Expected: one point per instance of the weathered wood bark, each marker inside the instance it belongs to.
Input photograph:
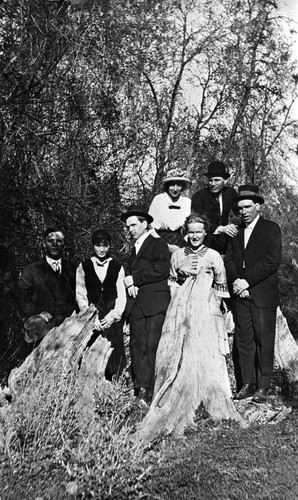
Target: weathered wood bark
(190, 368)
(286, 349)
(64, 349)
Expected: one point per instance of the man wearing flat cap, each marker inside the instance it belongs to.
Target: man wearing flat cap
(148, 296)
(252, 261)
(170, 208)
(216, 202)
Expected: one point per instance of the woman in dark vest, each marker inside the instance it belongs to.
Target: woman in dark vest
(100, 281)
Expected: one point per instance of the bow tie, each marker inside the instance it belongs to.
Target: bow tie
(200, 251)
(101, 264)
(175, 207)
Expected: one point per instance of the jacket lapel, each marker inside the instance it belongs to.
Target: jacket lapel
(142, 249)
(257, 231)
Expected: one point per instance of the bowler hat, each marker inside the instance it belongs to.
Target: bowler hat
(138, 211)
(176, 175)
(249, 192)
(217, 169)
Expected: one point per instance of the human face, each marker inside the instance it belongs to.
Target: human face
(54, 243)
(101, 249)
(216, 184)
(174, 189)
(248, 210)
(196, 233)
(135, 227)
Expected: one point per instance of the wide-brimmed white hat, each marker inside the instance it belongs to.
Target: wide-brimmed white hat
(176, 175)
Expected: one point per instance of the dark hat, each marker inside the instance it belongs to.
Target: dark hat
(249, 192)
(137, 210)
(100, 235)
(176, 175)
(217, 169)
(36, 327)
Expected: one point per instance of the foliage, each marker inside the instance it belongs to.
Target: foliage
(100, 98)
(46, 451)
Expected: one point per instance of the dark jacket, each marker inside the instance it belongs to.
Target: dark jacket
(257, 263)
(150, 270)
(204, 202)
(41, 289)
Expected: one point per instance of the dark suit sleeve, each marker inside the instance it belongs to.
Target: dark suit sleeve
(231, 270)
(271, 261)
(197, 204)
(158, 267)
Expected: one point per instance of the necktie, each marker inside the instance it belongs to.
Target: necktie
(56, 267)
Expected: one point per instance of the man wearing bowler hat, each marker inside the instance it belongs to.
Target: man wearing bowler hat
(252, 260)
(148, 296)
(216, 202)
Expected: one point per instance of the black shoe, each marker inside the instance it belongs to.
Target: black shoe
(246, 391)
(260, 396)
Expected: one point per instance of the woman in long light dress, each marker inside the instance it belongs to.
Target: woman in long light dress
(190, 362)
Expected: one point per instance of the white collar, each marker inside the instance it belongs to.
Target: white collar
(172, 202)
(95, 260)
(51, 261)
(251, 226)
(142, 238)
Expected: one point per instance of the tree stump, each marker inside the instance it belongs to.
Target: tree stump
(67, 348)
(286, 350)
(190, 369)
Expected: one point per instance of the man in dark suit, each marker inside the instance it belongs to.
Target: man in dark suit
(252, 261)
(148, 297)
(216, 202)
(47, 287)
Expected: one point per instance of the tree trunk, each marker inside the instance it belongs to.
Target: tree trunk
(286, 350)
(68, 347)
(190, 368)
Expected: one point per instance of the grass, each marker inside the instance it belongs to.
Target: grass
(50, 452)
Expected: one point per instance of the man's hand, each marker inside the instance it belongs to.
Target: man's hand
(230, 229)
(239, 286)
(132, 291)
(107, 321)
(172, 248)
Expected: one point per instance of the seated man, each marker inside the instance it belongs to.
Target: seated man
(47, 287)
(216, 201)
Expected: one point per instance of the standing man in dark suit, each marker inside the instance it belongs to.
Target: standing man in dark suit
(148, 297)
(216, 202)
(47, 287)
(252, 260)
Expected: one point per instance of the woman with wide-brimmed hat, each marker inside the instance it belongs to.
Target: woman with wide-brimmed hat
(169, 209)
